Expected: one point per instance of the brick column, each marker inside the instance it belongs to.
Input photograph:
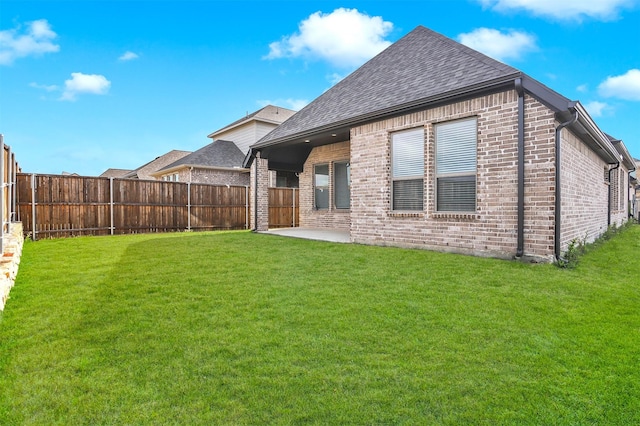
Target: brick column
(261, 168)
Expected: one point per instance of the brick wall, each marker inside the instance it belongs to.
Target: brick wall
(584, 191)
(331, 217)
(492, 230)
(259, 167)
(219, 177)
(619, 195)
(212, 176)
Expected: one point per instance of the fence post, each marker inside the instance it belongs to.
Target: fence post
(111, 227)
(9, 190)
(33, 206)
(293, 207)
(246, 206)
(14, 188)
(2, 199)
(188, 206)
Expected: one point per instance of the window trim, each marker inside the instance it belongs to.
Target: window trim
(327, 188)
(455, 174)
(416, 177)
(332, 173)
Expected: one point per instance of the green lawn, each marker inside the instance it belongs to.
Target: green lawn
(238, 328)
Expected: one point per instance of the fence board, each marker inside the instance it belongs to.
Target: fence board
(72, 205)
(283, 207)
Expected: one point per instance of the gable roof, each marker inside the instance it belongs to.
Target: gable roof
(269, 114)
(418, 68)
(218, 154)
(421, 70)
(116, 173)
(145, 171)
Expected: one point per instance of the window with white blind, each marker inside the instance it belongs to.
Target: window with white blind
(456, 152)
(341, 184)
(321, 186)
(407, 170)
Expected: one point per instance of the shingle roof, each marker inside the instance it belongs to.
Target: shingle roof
(270, 113)
(146, 170)
(422, 65)
(219, 153)
(115, 173)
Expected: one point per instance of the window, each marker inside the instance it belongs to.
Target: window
(286, 179)
(341, 185)
(456, 146)
(623, 190)
(407, 170)
(321, 184)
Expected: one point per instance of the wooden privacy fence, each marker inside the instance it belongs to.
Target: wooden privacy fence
(284, 211)
(52, 206)
(8, 170)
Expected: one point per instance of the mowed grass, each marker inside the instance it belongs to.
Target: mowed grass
(239, 328)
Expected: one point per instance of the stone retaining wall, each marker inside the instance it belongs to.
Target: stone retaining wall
(10, 260)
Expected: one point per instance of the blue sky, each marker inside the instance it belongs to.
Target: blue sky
(89, 85)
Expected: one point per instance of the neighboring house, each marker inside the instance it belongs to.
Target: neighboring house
(146, 170)
(218, 163)
(434, 145)
(115, 173)
(250, 129)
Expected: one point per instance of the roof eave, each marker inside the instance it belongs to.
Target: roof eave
(452, 96)
(604, 147)
(197, 166)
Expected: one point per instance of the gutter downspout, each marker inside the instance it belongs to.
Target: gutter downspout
(609, 194)
(629, 212)
(255, 195)
(520, 227)
(558, 192)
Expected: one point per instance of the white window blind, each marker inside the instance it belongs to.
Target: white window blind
(456, 152)
(407, 169)
(408, 154)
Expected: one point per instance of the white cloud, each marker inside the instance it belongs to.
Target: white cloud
(498, 45)
(625, 86)
(564, 9)
(344, 37)
(294, 104)
(36, 39)
(84, 83)
(128, 56)
(48, 88)
(595, 108)
(583, 88)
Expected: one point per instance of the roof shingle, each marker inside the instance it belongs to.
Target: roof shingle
(420, 66)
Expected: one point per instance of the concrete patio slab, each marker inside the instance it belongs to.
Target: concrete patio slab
(333, 235)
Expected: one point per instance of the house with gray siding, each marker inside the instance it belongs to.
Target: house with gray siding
(434, 145)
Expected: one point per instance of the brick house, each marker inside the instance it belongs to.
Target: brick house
(434, 145)
(220, 162)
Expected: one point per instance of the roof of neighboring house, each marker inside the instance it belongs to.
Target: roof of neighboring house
(219, 154)
(115, 173)
(145, 171)
(269, 114)
(421, 70)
